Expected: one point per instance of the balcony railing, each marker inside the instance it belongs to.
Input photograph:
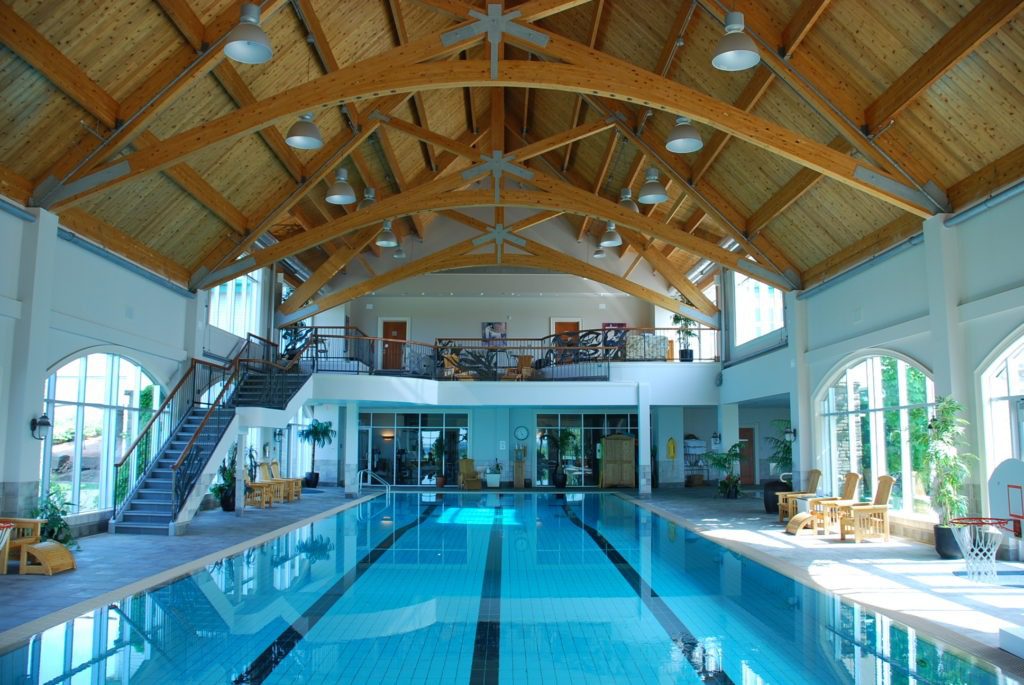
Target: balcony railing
(575, 355)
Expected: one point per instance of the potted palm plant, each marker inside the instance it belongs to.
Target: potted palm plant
(687, 330)
(317, 434)
(949, 470)
(729, 484)
(224, 488)
(781, 460)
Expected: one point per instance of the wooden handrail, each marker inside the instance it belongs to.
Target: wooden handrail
(156, 414)
(206, 418)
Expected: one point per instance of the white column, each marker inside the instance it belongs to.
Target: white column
(949, 369)
(800, 410)
(27, 368)
(241, 457)
(643, 427)
(729, 424)
(350, 445)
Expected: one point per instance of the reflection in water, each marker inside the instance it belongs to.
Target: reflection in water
(588, 585)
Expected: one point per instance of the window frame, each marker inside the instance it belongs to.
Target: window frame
(772, 340)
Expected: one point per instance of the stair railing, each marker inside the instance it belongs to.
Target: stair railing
(133, 466)
(263, 357)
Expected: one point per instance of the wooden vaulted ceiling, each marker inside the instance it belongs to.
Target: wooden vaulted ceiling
(813, 161)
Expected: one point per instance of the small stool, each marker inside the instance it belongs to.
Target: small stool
(51, 557)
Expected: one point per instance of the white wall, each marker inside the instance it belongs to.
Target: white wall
(760, 419)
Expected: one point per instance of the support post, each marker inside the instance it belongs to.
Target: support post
(351, 449)
(240, 458)
(643, 427)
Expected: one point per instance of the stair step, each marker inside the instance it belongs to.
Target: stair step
(142, 506)
(142, 528)
(140, 517)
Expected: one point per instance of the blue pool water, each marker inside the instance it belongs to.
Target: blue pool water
(487, 588)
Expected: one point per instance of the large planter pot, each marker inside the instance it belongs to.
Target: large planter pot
(311, 479)
(945, 543)
(771, 490)
(493, 480)
(685, 355)
(227, 501)
(440, 481)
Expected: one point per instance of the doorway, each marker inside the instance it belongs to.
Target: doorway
(393, 352)
(565, 325)
(747, 466)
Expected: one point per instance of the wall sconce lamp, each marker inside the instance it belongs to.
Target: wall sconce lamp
(716, 439)
(278, 435)
(789, 434)
(40, 427)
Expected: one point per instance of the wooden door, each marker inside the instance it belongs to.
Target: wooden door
(568, 331)
(393, 351)
(567, 326)
(747, 470)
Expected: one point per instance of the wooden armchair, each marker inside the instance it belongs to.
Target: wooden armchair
(22, 532)
(522, 370)
(469, 477)
(787, 500)
(453, 368)
(258, 494)
(296, 483)
(823, 512)
(282, 490)
(864, 520)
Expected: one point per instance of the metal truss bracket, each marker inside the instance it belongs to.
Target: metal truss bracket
(494, 24)
(499, 235)
(929, 195)
(497, 164)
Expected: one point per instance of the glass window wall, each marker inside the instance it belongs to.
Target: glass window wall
(571, 444)
(413, 449)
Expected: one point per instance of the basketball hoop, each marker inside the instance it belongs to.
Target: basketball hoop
(978, 539)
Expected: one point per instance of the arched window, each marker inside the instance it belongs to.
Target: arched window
(1003, 389)
(874, 420)
(98, 404)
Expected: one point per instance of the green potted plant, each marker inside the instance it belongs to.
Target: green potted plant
(567, 443)
(686, 330)
(729, 484)
(781, 461)
(317, 434)
(224, 488)
(53, 510)
(948, 465)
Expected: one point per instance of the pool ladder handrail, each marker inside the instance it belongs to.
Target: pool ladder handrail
(371, 476)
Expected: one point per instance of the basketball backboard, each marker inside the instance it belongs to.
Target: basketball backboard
(1006, 492)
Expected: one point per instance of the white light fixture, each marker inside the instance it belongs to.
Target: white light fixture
(627, 201)
(341, 192)
(789, 434)
(247, 42)
(611, 237)
(386, 238)
(736, 51)
(369, 197)
(599, 253)
(304, 134)
(683, 137)
(652, 192)
(399, 253)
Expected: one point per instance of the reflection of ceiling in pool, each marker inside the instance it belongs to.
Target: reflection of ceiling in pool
(478, 516)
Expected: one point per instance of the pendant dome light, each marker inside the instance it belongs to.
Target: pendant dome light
(599, 253)
(684, 137)
(611, 237)
(736, 50)
(304, 134)
(399, 253)
(386, 238)
(652, 192)
(627, 201)
(341, 192)
(369, 197)
(247, 42)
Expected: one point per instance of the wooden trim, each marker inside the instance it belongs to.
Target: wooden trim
(988, 179)
(185, 20)
(670, 272)
(16, 187)
(557, 140)
(867, 247)
(800, 24)
(985, 19)
(25, 41)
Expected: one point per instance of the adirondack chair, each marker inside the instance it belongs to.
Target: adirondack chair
(821, 512)
(868, 520)
(787, 500)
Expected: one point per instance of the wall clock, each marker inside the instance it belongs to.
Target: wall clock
(521, 433)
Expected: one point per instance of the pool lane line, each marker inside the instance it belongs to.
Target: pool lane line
(673, 625)
(486, 645)
(263, 665)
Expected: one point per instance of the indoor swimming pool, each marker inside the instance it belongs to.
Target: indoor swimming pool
(487, 588)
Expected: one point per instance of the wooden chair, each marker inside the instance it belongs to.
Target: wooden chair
(296, 483)
(453, 368)
(823, 511)
(281, 488)
(469, 477)
(46, 558)
(522, 370)
(787, 500)
(258, 494)
(23, 532)
(865, 520)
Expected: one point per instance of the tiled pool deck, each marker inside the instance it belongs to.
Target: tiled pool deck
(902, 578)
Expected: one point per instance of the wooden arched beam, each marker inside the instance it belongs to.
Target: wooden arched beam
(603, 78)
(558, 196)
(444, 261)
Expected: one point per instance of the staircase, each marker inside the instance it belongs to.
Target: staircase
(149, 509)
(150, 489)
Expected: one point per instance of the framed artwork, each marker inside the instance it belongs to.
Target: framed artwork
(493, 331)
(607, 325)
